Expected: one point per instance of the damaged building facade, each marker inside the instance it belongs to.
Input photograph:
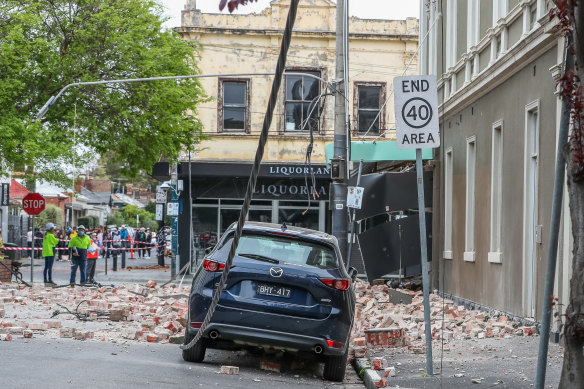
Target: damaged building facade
(289, 189)
(497, 70)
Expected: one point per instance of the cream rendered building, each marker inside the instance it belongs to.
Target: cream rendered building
(230, 44)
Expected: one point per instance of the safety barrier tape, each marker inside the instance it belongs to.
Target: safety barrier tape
(66, 248)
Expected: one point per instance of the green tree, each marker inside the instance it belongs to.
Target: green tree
(116, 218)
(51, 214)
(47, 44)
(150, 207)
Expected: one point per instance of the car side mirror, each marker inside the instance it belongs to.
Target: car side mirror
(352, 273)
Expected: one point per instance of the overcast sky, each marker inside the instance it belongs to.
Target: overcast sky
(369, 9)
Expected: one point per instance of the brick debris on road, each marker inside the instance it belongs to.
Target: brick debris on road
(387, 340)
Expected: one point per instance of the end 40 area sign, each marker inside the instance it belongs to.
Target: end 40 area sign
(416, 112)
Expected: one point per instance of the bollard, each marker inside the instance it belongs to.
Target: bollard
(115, 260)
(123, 259)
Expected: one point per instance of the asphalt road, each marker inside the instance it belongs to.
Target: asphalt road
(64, 363)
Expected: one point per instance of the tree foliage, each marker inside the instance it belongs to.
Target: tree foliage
(233, 4)
(51, 214)
(128, 216)
(47, 44)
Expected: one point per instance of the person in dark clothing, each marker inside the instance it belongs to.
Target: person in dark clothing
(148, 241)
(117, 244)
(139, 239)
(61, 245)
(107, 244)
(38, 242)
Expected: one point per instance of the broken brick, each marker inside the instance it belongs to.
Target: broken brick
(270, 366)
(231, 370)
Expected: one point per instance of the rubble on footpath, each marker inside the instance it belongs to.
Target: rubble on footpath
(403, 324)
(125, 313)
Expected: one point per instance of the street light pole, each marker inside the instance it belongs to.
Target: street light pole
(340, 220)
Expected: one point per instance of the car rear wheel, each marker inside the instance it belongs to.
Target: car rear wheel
(195, 353)
(335, 366)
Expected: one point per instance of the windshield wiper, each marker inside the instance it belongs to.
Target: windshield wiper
(259, 258)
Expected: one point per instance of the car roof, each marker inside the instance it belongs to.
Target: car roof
(292, 230)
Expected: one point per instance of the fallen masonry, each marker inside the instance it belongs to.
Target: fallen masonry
(153, 313)
(122, 314)
(380, 324)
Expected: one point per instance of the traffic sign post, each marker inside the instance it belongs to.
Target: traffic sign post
(416, 117)
(33, 204)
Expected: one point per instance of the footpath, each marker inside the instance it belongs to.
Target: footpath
(137, 271)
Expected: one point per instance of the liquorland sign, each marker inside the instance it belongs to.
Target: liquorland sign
(283, 170)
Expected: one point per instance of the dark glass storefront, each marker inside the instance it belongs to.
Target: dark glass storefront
(281, 195)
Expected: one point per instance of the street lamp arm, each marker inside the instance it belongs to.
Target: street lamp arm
(53, 99)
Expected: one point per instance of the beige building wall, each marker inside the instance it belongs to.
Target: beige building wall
(379, 51)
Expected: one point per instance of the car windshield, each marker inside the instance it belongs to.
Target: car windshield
(281, 249)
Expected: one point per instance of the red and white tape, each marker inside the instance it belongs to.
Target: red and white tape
(66, 248)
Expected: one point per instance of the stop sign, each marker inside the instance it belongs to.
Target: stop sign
(33, 203)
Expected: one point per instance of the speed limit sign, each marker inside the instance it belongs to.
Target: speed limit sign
(416, 112)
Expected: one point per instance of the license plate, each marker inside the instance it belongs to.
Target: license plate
(272, 290)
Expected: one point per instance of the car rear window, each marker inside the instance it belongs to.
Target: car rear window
(284, 249)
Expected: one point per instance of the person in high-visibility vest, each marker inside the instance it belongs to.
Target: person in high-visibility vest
(92, 254)
(49, 243)
(79, 245)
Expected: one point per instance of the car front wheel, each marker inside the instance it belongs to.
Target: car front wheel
(335, 366)
(195, 353)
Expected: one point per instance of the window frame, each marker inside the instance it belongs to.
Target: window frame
(319, 73)
(470, 192)
(356, 106)
(448, 202)
(495, 243)
(220, 105)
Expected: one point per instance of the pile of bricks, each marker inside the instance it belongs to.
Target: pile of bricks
(380, 323)
(126, 313)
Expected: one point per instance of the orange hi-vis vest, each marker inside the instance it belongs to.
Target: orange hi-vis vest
(93, 255)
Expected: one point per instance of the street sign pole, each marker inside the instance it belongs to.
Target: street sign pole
(417, 127)
(32, 252)
(174, 231)
(424, 258)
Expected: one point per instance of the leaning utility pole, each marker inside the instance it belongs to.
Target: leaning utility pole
(339, 162)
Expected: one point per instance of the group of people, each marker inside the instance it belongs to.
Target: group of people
(85, 246)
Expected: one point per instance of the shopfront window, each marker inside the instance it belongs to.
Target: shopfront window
(295, 217)
(204, 226)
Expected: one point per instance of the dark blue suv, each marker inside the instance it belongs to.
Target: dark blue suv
(287, 290)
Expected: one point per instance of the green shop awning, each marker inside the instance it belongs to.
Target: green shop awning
(378, 151)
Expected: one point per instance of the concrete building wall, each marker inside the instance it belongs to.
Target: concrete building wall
(514, 65)
(499, 284)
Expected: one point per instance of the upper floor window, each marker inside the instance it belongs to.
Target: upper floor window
(369, 97)
(233, 105)
(302, 104)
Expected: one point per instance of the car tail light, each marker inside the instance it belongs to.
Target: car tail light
(335, 344)
(213, 266)
(336, 283)
(198, 324)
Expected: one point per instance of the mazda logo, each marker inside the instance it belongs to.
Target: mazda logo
(276, 272)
